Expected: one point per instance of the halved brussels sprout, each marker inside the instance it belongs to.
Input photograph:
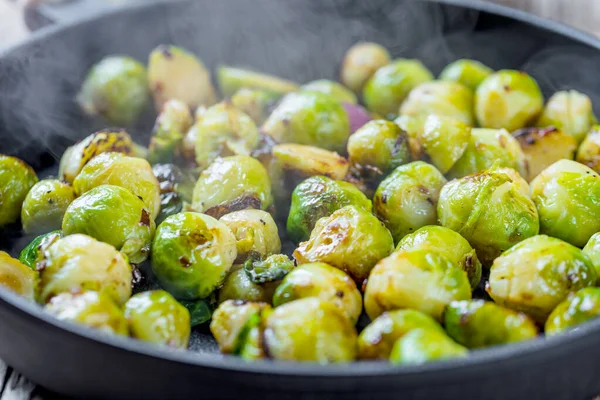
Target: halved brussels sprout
(424, 345)
(255, 231)
(360, 63)
(172, 124)
(175, 73)
(310, 161)
(256, 103)
(478, 323)
(115, 216)
(508, 100)
(318, 197)
(239, 286)
(468, 72)
(420, 279)
(331, 88)
(407, 199)
(78, 263)
(444, 140)
(378, 338)
(34, 252)
(569, 111)
(589, 150)
(176, 187)
(115, 89)
(490, 211)
(310, 329)
(578, 308)
(45, 206)
(16, 179)
(192, 254)
(18, 277)
(535, 275)
(592, 250)
(351, 239)
(310, 118)
(156, 317)
(567, 196)
(232, 79)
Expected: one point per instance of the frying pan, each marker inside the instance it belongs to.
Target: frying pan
(300, 40)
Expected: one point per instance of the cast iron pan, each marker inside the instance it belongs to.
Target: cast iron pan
(300, 40)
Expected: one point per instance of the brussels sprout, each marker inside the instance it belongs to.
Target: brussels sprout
(191, 254)
(255, 231)
(176, 187)
(231, 79)
(18, 277)
(379, 144)
(79, 263)
(131, 173)
(542, 147)
(224, 130)
(489, 210)
(508, 100)
(444, 140)
(232, 184)
(96, 310)
(592, 250)
(115, 216)
(535, 275)
(406, 200)
(489, 147)
(239, 286)
(200, 310)
(351, 239)
(115, 89)
(578, 308)
(77, 156)
(515, 177)
(567, 197)
(34, 252)
(360, 63)
(310, 118)
(420, 279)
(443, 98)
(357, 116)
(333, 89)
(424, 345)
(310, 329)
(256, 103)
(478, 323)
(271, 269)
(16, 179)
(569, 111)
(448, 243)
(318, 197)
(45, 206)
(388, 87)
(156, 317)
(175, 73)
(414, 128)
(467, 72)
(171, 125)
(589, 150)
(310, 161)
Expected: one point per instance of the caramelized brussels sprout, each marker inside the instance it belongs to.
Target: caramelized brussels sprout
(256, 103)
(176, 187)
(424, 345)
(16, 179)
(333, 89)
(255, 231)
(239, 286)
(360, 63)
(231, 79)
(310, 161)
(467, 72)
(271, 269)
(34, 252)
(508, 100)
(351, 239)
(406, 200)
(45, 206)
(592, 250)
(443, 140)
(589, 150)
(192, 254)
(18, 277)
(578, 308)
(535, 275)
(569, 111)
(172, 124)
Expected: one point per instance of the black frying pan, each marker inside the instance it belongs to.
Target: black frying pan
(300, 40)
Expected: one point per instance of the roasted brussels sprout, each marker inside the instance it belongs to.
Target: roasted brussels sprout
(255, 231)
(310, 329)
(175, 73)
(45, 206)
(569, 111)
(360, 63)
(388, 87)
(256, 103)
(79, 263)
(535, 275)
(172, 124)
(467, 72)
(478, 323)
(508, 100)
(490, 211)
(443, 98)
(239, 286)
(34, 252)
(131, 173)
(333, 89)
(318, 197)
(351, 239)
(93, 309)
(231, 79)
(191, 254)
(542, 147)
(406, 200)
(200, 310)
(308, 161)
(423, 345)
(357, 116)
(18, 277)
(310, 118)
(567, 197)
(589, 150)
(271, 269)
(324, 282)
(115, 89)
(16, 179)
(115, 216)
(592, 250)
(232, 184)
(176, 187)
(420, 279)
(578, 308)
(448, 243)
(156, 317)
